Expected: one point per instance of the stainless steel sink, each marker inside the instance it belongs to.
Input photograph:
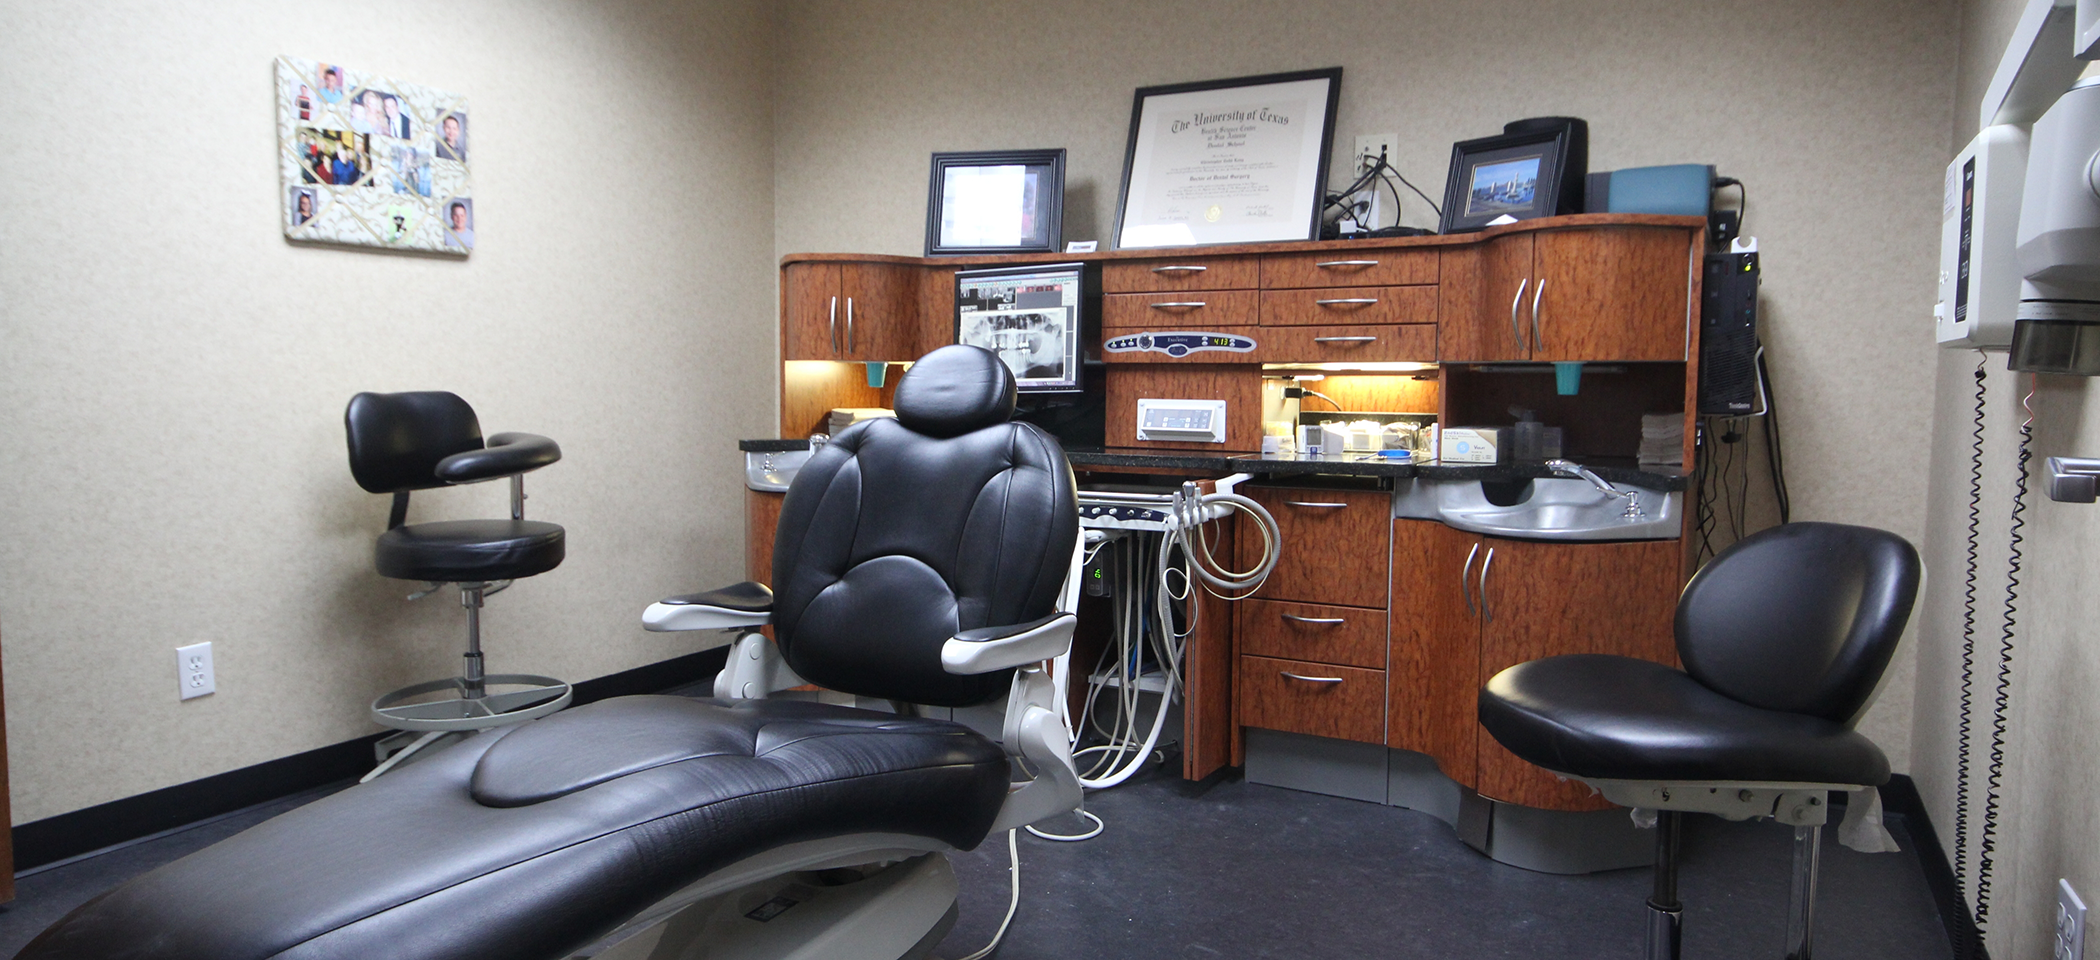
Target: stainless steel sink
(1556, 508)
(772, 472)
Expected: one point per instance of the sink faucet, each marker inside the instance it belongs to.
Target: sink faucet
(1569, 468)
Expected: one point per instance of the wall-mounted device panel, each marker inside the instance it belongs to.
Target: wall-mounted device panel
(1189, 421)
(1980, 220)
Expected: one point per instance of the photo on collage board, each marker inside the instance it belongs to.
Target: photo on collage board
(452, 137)
(459, 222)
(335, 157)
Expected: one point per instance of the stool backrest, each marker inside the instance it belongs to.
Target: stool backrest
(899, 533)
(397, 439)
(1801, 618)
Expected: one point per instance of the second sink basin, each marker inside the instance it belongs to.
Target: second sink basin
(1556, 508)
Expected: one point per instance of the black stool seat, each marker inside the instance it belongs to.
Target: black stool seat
(466, 551)
(532, 841)
(1618, 718)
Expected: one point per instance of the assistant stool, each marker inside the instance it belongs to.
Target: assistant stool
(400, 442)
(1784, 637)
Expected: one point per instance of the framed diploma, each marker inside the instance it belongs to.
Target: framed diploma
(1227, 161)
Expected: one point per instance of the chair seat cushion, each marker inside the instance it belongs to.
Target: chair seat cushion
(1617, 718)
(532, 841)
(464, 551)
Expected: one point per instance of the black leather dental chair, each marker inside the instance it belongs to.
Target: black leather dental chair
(402, 442)
(1784, 638)
(924, 560)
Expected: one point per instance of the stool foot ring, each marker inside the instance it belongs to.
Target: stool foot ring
(541, 696)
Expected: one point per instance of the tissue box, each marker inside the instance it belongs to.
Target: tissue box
(1472, 445)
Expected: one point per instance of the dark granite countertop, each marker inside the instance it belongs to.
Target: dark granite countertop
(1353, 465)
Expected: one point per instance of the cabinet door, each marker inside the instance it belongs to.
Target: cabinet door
(1484, 299)
(1434, 672)
(1548, 599)
(809, 305)
(878, 311)
(1612, 293)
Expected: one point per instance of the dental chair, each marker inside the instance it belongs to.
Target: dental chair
(1785, 637)
(923, 560)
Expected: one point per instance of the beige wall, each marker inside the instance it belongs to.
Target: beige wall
(173, 373)
(2049, 824)
(1834, 113)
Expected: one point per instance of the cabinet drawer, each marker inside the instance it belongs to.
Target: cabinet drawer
(1410, 341)
(1303, 631)
(1335, 545)
(1183, 273)
(1178, 311)
(1352, 268)
(1346, 703)
(1356, 306)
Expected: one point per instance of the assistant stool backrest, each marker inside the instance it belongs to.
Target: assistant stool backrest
(1801, 618)
(899, 533)
(397, 439)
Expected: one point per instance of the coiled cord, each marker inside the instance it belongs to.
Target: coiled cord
(2001, 697)
(1968, 633)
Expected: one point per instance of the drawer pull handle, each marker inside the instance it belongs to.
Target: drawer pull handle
(1315, 503)
(1300, 676)
(1465, 579)
(1179, 303)
(1346, 300)
(1293, 616)
(1329, 264)
(1179, 269)
(1345, 339)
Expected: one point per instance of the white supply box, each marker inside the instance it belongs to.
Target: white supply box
(1470, 445)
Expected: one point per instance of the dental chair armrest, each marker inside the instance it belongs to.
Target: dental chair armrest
(744, 604)
(987, 649)
(507, 454)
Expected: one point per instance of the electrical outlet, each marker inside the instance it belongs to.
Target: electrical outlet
(1374, 145)
(2070, 923)
(193, 670)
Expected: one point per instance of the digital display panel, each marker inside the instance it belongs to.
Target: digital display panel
(1029, 317)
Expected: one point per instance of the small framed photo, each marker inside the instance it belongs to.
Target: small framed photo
(995, 201)
(1515, 175)
(1228, 161)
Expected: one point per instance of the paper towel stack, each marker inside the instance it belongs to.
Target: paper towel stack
(1662, 440)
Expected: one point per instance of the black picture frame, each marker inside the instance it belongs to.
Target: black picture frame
(1318, 185)
(1466, 209)
(1043, 200)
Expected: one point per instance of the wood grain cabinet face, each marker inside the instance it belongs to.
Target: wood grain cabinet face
(1320, 633)
(850, 311)
(1195, 310)
(1348, 305)
(1435, 637)
(1321, 699)
(1179, 274)
(1621, 293)
(1345, 267)
(1548, 599)
(1483, 291)
(1334, 544)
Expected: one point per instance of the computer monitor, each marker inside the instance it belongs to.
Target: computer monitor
(1031, 317)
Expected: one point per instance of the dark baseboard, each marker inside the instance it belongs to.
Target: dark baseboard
(82, 831)
(1900, 799)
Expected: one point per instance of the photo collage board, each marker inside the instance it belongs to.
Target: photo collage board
(372, 161)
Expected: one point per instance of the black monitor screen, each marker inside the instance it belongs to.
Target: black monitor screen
(1029, 316)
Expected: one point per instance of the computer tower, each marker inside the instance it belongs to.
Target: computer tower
(1728, 378)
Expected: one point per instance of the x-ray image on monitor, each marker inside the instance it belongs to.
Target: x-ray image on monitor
(1029, 317)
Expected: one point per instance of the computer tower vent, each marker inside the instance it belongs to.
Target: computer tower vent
(1728, 335)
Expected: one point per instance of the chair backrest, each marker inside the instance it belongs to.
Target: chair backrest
(1801, 618)
(397, 439)
(899, 533)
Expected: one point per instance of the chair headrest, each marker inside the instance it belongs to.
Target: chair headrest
(955, 390)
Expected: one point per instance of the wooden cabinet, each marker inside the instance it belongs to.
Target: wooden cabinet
(1176, 273)
(1187, 310)
(1617, 293)
(1334, 544)
(1321, 699)
(1466, 607)
(1313, 650)
(1349, 636)
(834, 310)
(1349, 266)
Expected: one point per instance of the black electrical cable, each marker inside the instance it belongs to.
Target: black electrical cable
(1418, 190)
(1775, 455)
(1968, 635)
(2001, 697)
(1742, 210)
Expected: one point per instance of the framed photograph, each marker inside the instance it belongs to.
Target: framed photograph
(995, 201)
(1514, 175)
(1227, 161)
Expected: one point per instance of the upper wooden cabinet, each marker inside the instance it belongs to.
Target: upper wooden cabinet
(833, 310)
(1603, 293)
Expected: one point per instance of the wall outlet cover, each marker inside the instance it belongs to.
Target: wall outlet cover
(2070, 923)
(1374, 145)
(193, 670)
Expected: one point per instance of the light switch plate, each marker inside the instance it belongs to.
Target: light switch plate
(193, 670)
(2070, 923)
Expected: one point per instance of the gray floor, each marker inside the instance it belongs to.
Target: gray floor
(1240, 870)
